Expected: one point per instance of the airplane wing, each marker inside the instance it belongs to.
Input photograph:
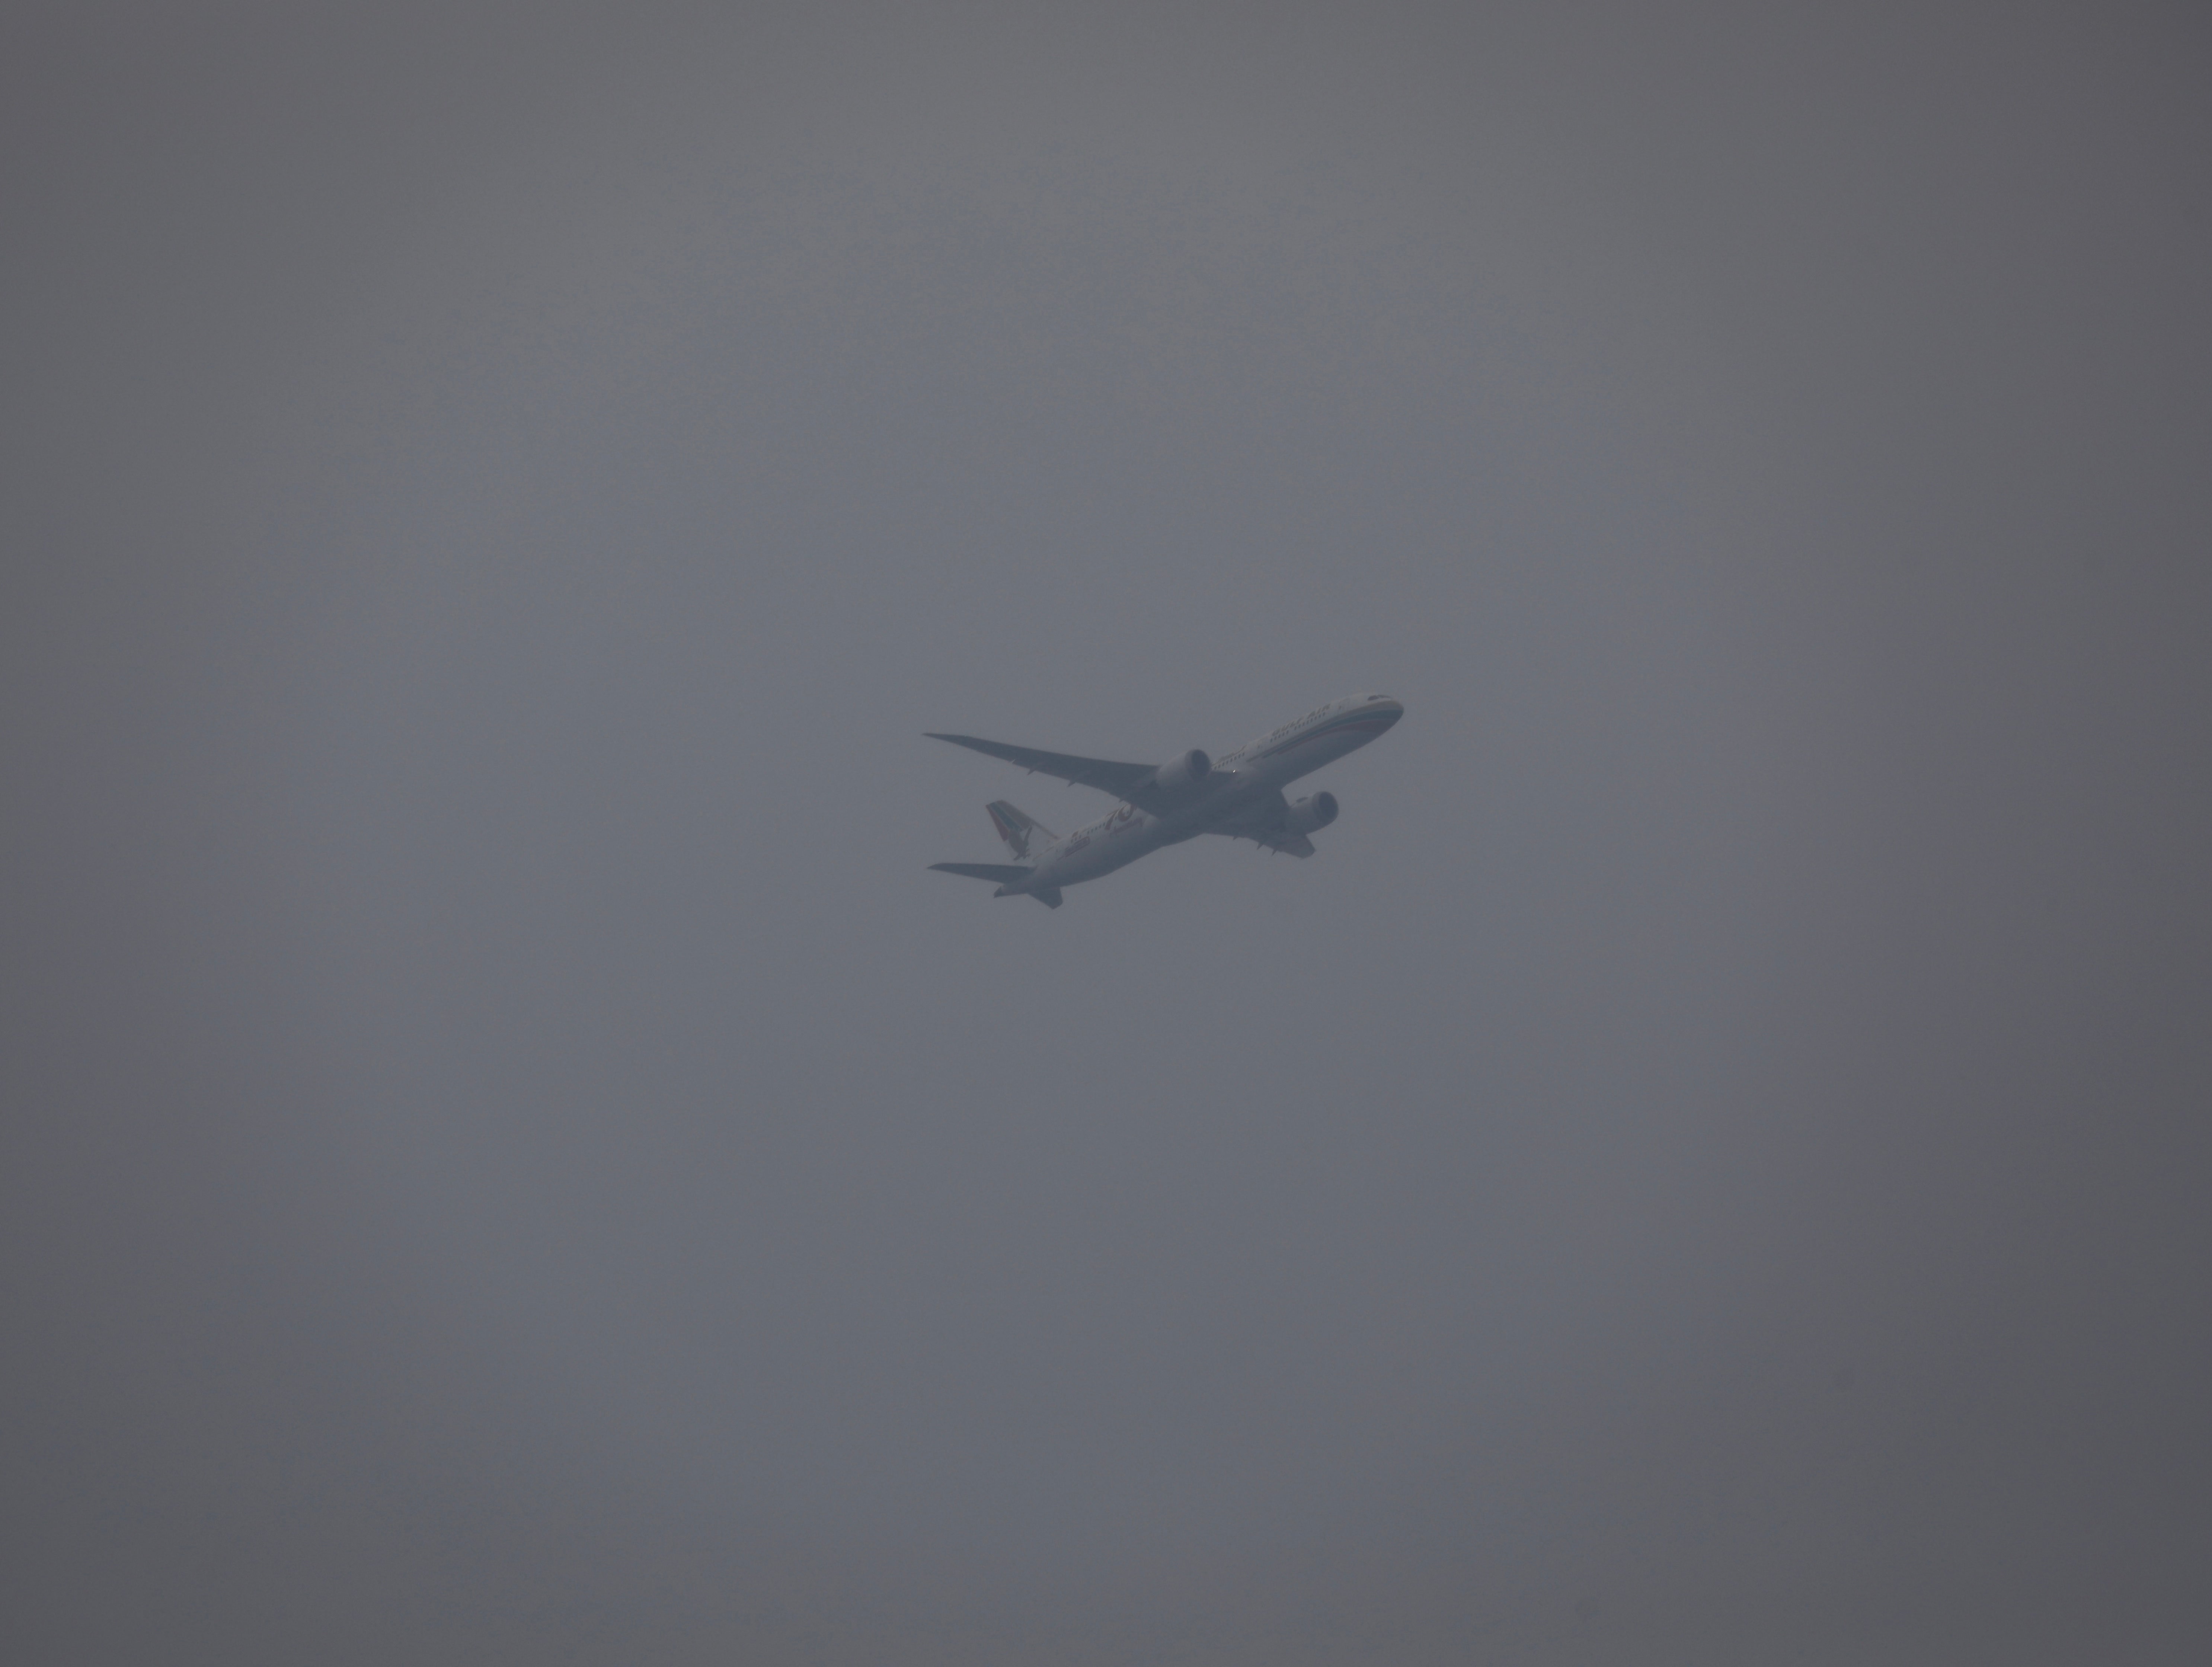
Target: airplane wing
(1262, 822)
(1123, 781)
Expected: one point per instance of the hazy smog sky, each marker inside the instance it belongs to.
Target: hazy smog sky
(506, 1155)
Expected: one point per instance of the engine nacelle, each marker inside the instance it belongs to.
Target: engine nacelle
(1181, 775)
(1307, 815)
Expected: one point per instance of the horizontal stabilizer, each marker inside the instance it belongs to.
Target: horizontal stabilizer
(1004, 873)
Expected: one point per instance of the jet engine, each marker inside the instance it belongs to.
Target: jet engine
(1180, 775)
(1307, 815)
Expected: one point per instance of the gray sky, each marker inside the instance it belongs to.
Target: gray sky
(508, 1155)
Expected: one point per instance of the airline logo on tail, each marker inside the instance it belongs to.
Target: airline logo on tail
(1017, 829)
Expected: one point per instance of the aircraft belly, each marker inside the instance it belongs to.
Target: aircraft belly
(1100, 856)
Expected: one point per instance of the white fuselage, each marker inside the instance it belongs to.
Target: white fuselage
(1237, 780)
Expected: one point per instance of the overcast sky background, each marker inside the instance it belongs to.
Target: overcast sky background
(508, 1155)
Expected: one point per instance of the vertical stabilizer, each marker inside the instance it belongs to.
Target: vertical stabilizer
(1023, 833)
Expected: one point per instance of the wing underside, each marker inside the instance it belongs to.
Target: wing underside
(1263, 824)
(1123, 781)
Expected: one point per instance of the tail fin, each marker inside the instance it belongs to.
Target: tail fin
(1019, 831)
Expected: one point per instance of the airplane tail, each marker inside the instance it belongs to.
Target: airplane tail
(1024, 835)
(1019, 831)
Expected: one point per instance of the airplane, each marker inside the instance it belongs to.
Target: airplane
(1239, 794)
